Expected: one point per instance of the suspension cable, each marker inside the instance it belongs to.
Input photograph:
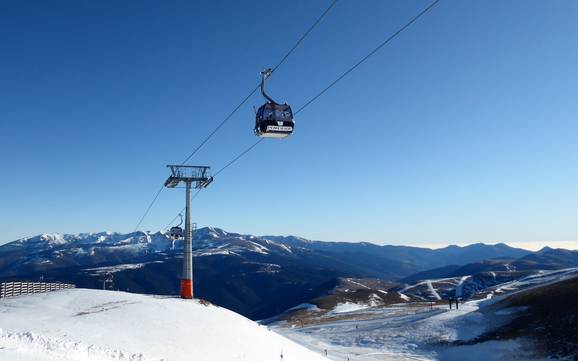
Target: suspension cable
(238, 156)
(243, 101)
(343, 75)
(375, 50)
(182, 210)
(309, 30)
(304, 35)
(220, 125)
(149, 208)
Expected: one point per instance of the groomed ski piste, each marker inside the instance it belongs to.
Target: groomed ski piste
(94, 325)
(419, 331)
(403, 332)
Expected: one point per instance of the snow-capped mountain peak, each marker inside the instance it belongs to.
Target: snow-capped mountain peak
(53, 239)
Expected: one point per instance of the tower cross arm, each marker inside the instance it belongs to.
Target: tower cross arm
(199, 175)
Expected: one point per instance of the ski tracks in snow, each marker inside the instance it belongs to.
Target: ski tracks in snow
(433, 290)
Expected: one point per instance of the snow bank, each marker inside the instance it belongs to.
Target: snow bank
(349, 307)
(92, 325)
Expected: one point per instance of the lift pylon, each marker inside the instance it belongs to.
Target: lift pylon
(199, 176)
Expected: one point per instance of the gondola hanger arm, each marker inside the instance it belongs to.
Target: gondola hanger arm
(264, 75)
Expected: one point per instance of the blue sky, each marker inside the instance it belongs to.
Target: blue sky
(463, 129)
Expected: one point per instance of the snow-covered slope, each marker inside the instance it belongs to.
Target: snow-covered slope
(105, 325)
(533, 319)
(405, 333)
(481, 284)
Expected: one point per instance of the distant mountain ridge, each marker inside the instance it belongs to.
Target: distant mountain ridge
(544, 259)
(258, 276)
(51, 251)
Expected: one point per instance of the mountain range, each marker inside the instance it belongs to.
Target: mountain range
(257, 276)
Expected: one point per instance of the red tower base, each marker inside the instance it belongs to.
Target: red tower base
(186, 289)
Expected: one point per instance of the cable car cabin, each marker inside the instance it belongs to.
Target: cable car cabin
(176, 233)
(274, 121)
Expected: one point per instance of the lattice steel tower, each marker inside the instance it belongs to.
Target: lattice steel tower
(188, 174)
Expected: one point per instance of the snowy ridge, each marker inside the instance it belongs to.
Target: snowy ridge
(538, 279)
(61, 250)
(483, 283)
(93, 325)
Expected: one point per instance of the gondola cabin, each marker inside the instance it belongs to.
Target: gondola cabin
(176, 233)
(274, 121)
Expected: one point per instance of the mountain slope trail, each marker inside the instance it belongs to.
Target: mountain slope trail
(95, 325)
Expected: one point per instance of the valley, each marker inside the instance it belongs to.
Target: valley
(500, 324)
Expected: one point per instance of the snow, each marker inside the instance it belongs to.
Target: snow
(374, 300)
(537, 279)
(285, 248)
(93, 325)
(433, 291)
(348, 307)
(484, 283)
(461, 283)
(304, 306)
(53, 239)
(403, 297)
(256, 247)
(122, 267)
(357, 283)
(406, 332)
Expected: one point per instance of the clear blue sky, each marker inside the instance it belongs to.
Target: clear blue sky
(463, 129)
